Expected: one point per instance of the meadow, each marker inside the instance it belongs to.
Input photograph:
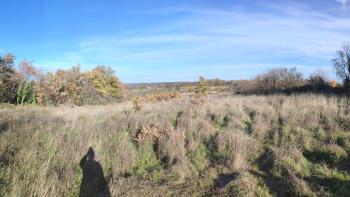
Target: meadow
(277, 145)
(175, 98)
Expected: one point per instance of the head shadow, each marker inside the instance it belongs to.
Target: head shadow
(93, 182)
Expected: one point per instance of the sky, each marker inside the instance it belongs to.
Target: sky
(176, 40)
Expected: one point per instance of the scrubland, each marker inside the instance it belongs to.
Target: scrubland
(230, 146)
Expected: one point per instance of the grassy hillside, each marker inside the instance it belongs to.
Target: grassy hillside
(237, 146)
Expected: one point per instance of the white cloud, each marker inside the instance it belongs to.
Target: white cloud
(232, 37)
(205, 32)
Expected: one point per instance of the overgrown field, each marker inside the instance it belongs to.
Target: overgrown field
(236, 146)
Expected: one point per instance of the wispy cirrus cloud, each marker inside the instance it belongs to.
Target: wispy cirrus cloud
(236, 37)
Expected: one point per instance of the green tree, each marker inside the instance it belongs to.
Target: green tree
(26, 93)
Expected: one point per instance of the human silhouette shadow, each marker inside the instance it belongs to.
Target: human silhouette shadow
(93, 183)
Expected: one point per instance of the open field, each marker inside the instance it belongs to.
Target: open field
(237, 146)
(175, 98)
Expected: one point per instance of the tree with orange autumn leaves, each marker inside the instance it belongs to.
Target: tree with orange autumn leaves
(28, 85)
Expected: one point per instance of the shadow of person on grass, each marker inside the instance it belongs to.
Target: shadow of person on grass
(93, 183)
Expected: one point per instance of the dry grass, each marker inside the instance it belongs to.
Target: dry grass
(284, 145)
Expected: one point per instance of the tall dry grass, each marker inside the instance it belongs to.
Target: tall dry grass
(287, 145)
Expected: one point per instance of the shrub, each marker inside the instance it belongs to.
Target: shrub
(103, 79)
(156, 97)
(148, 134)
(202, 87)
(137, 104)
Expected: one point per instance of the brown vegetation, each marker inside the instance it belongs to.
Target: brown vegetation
(29, 86)
(241, 146)
(173, 139)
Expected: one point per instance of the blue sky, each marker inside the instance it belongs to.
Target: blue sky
(160, 40)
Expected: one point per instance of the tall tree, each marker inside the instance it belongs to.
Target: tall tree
(27, 89)
(8, 79)
(318, 80)
(278, 80)
(342, 64)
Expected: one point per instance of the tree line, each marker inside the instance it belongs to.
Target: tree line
(284, 80)
(25, 84)
(28, 85)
